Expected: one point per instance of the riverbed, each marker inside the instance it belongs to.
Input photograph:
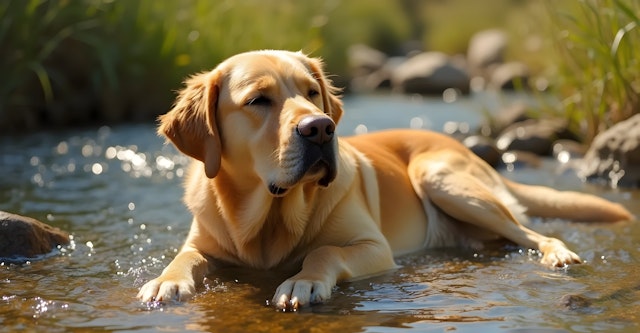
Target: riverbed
(117, 190)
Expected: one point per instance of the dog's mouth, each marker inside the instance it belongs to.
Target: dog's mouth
(317, 167)
(277, 190)
(328, 172)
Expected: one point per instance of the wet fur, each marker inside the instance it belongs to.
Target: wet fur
(255, 204)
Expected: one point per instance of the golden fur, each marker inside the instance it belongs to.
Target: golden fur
(272, 186)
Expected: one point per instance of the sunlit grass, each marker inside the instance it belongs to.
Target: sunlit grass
(599, 69)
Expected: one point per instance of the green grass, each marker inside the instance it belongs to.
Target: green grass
(598, 75)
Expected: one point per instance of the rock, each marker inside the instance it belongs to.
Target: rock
(364, 60)
(429, 73)
(614, 155)
(485, 148)
(534, 135)
(24, 238)
(379, 79)
(574, 302)
(506, 117)
(510, 75)
(486, 48)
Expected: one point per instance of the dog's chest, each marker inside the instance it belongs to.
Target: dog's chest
(274, 242)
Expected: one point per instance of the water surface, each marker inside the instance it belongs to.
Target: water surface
(117, 191)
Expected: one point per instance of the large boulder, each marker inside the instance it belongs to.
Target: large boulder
(429, 73)
(23, 238)
(614, 155)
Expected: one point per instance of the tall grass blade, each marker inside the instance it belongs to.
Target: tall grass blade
(43, 77)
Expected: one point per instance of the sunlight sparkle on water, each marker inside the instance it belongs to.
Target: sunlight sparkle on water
(111, 153)
(360, 129)
(96, 168)
(43, 306)
(62, 148)
(416, 123)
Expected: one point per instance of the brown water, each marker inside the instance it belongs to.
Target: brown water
(117, 191)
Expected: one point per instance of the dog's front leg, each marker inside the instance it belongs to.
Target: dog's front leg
(323, 267)
(178, 281)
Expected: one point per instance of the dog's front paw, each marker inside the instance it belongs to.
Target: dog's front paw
(163, 290)
(294, 293)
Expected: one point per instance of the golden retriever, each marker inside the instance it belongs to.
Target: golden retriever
(272, 185)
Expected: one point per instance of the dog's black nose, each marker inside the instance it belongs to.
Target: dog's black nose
(317, 129)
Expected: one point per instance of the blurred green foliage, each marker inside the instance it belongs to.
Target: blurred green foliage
(76, 62)
(79, 61)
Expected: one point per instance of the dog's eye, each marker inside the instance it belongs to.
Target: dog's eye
(259, 101)
(313, 93)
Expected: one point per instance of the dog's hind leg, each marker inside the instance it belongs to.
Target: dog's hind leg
(466, 189)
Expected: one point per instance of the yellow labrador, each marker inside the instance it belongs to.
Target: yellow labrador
(272, 185)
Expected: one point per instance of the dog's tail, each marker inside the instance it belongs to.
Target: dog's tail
(546, 202)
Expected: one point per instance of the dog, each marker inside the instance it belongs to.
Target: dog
(272, 185)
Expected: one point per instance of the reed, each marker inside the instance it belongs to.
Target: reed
(598, 75)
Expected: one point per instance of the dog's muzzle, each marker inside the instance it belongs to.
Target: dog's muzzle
(319, 146)
(316, 137)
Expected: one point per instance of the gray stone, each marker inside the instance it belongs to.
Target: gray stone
(364, 60)
(377, 80)
(429, 73)
(505, 117)
(614, 155)
(534, 136)
(485, 148)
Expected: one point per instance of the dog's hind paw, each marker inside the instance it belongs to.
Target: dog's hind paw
(556, 254)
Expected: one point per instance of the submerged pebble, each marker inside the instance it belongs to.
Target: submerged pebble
(574, 302)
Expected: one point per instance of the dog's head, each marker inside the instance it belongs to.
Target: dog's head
(265, 114)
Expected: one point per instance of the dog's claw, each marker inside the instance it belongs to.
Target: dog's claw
(286, 305)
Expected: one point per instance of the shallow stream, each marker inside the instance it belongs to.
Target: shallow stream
(117, 191)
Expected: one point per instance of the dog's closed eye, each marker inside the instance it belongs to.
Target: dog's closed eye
(259, 101)
(313, 93)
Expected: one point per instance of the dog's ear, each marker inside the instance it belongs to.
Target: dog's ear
(191, 124)
(330, 98)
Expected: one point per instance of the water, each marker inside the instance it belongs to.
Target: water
(117, 191)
